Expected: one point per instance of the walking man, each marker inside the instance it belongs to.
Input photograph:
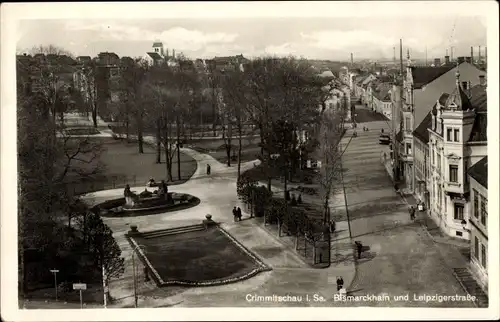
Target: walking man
(235, 213)
(332, 226)
(359, 248)
(208, 169)
(411, 210)
(238, 213)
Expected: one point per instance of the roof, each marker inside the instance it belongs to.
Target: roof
(459, 98)
(157, 44)
(399, 136)
(155, 56)
(442, 99)
(421, 132)
(424, 75)
(383, 91)
(479, 172)
(478, 98)
(326, 73)
(479, 131)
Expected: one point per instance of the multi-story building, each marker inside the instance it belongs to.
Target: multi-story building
(478, 219)
(457, 141)
(422, 87)
(382, 99)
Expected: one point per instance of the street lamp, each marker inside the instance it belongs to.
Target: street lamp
(55, 271)
(134, 272)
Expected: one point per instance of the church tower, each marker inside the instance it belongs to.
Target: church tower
(158, 48)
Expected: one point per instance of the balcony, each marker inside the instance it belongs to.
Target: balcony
(453, 187)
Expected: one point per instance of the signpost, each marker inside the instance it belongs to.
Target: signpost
(55, 271)
(81, 287)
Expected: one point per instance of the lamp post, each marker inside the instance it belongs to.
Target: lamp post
(55, 271)
(134, 272)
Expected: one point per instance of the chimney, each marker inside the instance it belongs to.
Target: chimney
(479, 55)
(352, 60)
(461, 59)
(437, 62)
(166, 55)
(447, 60)
(482, 80)
(471, 54)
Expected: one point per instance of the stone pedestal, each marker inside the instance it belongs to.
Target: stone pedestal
(208, 222)
(133, 230)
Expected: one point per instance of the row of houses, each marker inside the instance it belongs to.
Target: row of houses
(440, 149)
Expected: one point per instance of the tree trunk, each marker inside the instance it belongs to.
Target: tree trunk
(239, 151)
(285, 183)
(94, 115)
(297, 240)
(127, 125)
(168, 161)
(139, 133)
(158, 142)
(178, 149)
(279, 227)
(326, 204)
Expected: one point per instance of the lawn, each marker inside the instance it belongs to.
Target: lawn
(216, 148)
(123, 164)
(198, 256)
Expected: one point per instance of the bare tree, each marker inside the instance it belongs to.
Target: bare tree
(329, 155)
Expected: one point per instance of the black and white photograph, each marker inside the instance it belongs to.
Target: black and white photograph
(240, 156)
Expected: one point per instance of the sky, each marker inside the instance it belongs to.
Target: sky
(334, 38)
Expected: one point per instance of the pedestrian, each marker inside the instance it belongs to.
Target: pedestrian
(340, 283)
(235, 213)
(411, 210)
(238, 213)
(396, 188)
(359, 248)
(332, 226)
(208, 169)
(381, 131)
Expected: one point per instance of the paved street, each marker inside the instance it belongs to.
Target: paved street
(217, 193)
(401, 258)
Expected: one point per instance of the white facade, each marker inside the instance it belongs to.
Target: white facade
(451, 155)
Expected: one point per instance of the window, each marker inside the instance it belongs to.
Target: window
(407, 124)
(408, 148)
(453, 173)
(484, 211)
(458, 233)
(458, 213)
(483, 256)
(448, 134)
(439, 162)
(476, 247)
(456, 133)
(476, 203)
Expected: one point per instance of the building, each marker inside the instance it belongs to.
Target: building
(382, 99)
(160, 55)
(457, 141)
(478, 219)
(422, 87)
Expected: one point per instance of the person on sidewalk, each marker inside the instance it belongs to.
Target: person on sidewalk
(359, 248)
(208, 169)
(340, 283)
(238, 213)
(411, 210)
(235, 213)
(332, 226)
